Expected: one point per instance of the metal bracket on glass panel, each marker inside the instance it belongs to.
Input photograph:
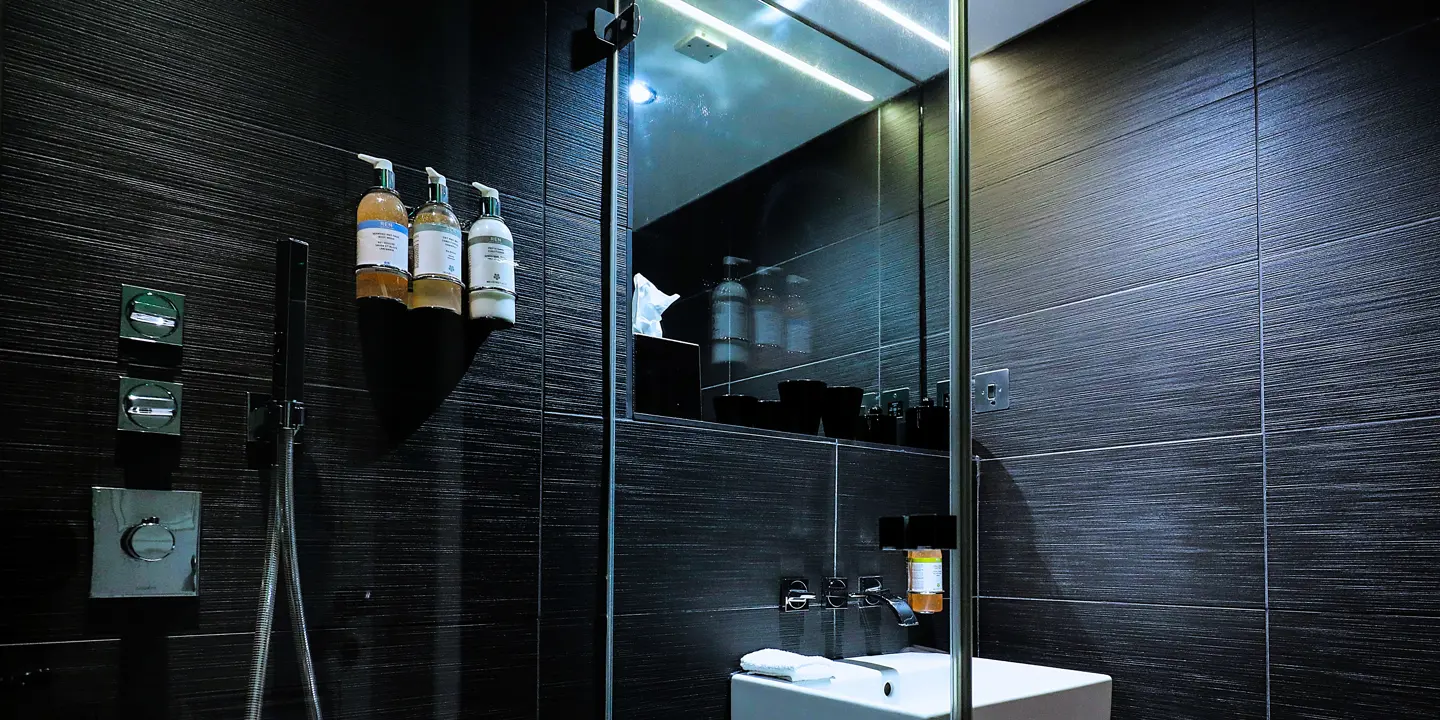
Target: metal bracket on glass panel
(616, 31)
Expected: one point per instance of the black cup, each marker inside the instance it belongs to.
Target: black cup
(769, 415)
(737, 409)
(842, 411)
(804, 402)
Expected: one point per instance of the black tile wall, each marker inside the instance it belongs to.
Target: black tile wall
(678, 664)
(1171, 200)
(874, 483)
(1170, 361)
(1328, 666)
(1323, 347)
(1098, 72)
(1353, 518)
(679, 492)
(1179, 523)
(1165, 662)
(1162, 492)
(1351, 146)
(1293, 34)
(170, 146)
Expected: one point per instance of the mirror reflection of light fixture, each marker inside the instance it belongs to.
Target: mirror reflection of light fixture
(900, 19)
(724, 28)
(641, 93)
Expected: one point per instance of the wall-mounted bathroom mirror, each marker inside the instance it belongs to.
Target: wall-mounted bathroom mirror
(777, 173)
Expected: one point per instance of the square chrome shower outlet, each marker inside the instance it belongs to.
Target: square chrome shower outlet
(701, 47)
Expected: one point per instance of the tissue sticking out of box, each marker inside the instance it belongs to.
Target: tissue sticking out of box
(648, 305)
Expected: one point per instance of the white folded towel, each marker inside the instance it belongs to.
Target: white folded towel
(790, 666)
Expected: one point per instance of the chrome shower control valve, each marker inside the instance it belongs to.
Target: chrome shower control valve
(148, 541)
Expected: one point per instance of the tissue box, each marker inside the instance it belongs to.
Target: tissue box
(666, 376)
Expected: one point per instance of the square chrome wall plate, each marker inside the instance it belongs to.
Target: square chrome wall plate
(992, 390)
(152, 316)
(149, 406)
(146, 543)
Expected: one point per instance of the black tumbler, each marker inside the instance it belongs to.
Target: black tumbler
(770, 415)
(803, 402)
(842, 411)
(737, 409)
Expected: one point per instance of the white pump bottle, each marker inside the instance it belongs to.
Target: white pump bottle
(490, 259)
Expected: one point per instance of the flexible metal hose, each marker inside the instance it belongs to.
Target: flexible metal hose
(265, 616)
(291, 558)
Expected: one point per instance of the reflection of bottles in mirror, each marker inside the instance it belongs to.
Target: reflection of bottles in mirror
(769, 321)
(730, 318)
(797, 321)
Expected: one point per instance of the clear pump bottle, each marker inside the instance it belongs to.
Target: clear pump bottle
(382, 238)
(797, 320)
(730, 318)
(768, 335)
(435, 249)
(927, 580)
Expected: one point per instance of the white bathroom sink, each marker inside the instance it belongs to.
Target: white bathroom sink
(919, 687)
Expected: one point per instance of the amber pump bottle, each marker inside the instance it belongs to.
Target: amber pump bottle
(435, 249)
(382, 238)
(927, 580)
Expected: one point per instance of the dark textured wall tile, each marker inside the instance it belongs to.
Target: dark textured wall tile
(439, 524)
(899, 247)
(874, 483)
(67, 445)
(935, 232)
(1351, 146)
(842, 295)
(1166, 662)
(737, 512)
(1353, 517)
(572, 683)
(1339, 667)
(1098, 72)
(1168, 201)
(1294, 34)
(1170, 361)
(572, 313)
(678, 664)
(900, 368)
(1340, 316)
(572, 515)
(898, 126)
(574, 115)
(232, 192)
(857, 632)
(1179, 524)
(291, 68)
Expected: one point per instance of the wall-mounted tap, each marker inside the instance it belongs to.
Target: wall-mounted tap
(872, 593)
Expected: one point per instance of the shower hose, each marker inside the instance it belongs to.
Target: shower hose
(280, 550)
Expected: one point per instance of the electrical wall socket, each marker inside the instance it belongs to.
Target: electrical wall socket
(991, 390)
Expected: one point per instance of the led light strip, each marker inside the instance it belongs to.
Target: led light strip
(906, 23)
(725, 28)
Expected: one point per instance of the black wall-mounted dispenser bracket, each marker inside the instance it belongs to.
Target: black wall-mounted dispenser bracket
(917, 532)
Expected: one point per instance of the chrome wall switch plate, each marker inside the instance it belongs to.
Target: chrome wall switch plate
(152, 316)
(991, 390)
(146, 543)
(149, 406)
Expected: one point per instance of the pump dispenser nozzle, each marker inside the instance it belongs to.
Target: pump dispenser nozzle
(489, 200)
(384, 171)
(436, 188)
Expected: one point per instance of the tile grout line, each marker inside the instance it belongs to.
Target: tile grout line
(1260, 315)
(1124, 603)
(835, 518)
(544, 347)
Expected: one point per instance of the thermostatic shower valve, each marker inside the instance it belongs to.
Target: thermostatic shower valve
(145, 543)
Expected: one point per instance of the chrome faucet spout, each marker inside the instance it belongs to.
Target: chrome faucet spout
(903, 612)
